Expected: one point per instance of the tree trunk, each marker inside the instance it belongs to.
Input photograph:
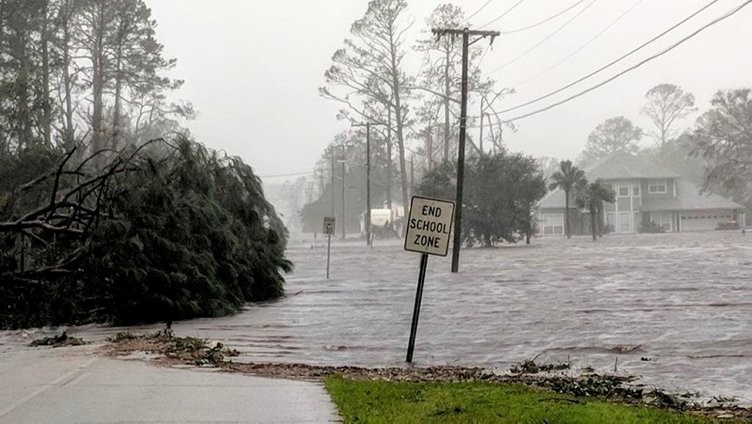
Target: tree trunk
(398, 114)
(389, 158)
(97, 59)
(46, 104)
(116, 109)
(23, 120)
(122, 31)
(69, 132)
(566, 214)
(593, 225)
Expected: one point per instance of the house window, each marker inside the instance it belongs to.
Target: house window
(665, 220)
(623, 191)
(657, 186)
(636, 191)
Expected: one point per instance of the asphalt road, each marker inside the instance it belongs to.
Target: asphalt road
(76, 385)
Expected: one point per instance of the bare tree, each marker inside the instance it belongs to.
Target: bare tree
(666, 104)
(441, 72)
(369, 69)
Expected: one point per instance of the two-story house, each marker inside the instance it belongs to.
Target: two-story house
(645, 192)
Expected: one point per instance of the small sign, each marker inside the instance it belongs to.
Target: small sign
(429, 226)
(329, 225)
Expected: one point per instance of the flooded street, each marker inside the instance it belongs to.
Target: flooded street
(675, 309)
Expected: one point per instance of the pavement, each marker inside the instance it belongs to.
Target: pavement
(77, 385)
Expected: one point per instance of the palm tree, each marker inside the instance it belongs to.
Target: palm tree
(567, 178)
(591, 196)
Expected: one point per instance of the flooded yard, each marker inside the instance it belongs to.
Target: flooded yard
(675, 309)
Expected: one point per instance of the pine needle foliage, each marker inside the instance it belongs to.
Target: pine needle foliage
(187, 232)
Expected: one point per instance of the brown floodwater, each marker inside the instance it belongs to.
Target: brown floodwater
(675, 309)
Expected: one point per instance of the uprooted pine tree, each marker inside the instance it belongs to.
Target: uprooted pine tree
(163, 231)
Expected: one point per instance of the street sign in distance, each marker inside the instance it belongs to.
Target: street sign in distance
(429, 226)
(329, 225)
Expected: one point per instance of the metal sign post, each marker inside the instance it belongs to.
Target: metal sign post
(429, 228)
(329, 225)
(416, 308)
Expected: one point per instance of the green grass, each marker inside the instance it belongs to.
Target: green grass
(479, 402)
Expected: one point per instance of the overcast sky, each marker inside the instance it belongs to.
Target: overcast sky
(252, 68)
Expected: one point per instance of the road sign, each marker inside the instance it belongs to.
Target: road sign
(329, 225)
(429, 226)
(428, 229)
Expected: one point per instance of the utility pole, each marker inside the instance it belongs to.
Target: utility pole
(429, 147)
(466, 33)
(368, 185)
(369, 242)
(344, 219)
(321, 183)
(412, 173)
(480, 138)
(331, 189)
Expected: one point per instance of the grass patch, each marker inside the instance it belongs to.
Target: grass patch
(482, 402)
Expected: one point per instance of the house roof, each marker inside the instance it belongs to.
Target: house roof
(688, 198)
(622, 165)
(553, 200)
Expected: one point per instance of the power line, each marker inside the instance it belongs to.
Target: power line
(478, 11)
(513, 31)
(579, 49)
(292, 174)
(525, 53)
(483, 56)
(602, 68)
(631, 68)
(503, 14)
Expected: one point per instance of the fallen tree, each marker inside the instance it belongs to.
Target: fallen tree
(166, 230)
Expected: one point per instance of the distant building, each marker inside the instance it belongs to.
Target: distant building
(645, 193)
(384, 218)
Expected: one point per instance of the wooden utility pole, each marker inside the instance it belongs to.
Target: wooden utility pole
(331, 189)
(480, 137)
(412, 172)
(368, 185)
(466, 33)
(344, 217)
(369, 242)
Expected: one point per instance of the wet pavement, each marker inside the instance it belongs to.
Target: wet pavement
(675, 309)
(75, 385)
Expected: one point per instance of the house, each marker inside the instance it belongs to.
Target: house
(645, 193)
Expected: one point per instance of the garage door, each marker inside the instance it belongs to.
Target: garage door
(702, 221)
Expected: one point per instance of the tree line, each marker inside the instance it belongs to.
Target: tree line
(712, 153)
(109, 210)
(415, 116)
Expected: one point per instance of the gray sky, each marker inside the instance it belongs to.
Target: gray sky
(252, 68)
